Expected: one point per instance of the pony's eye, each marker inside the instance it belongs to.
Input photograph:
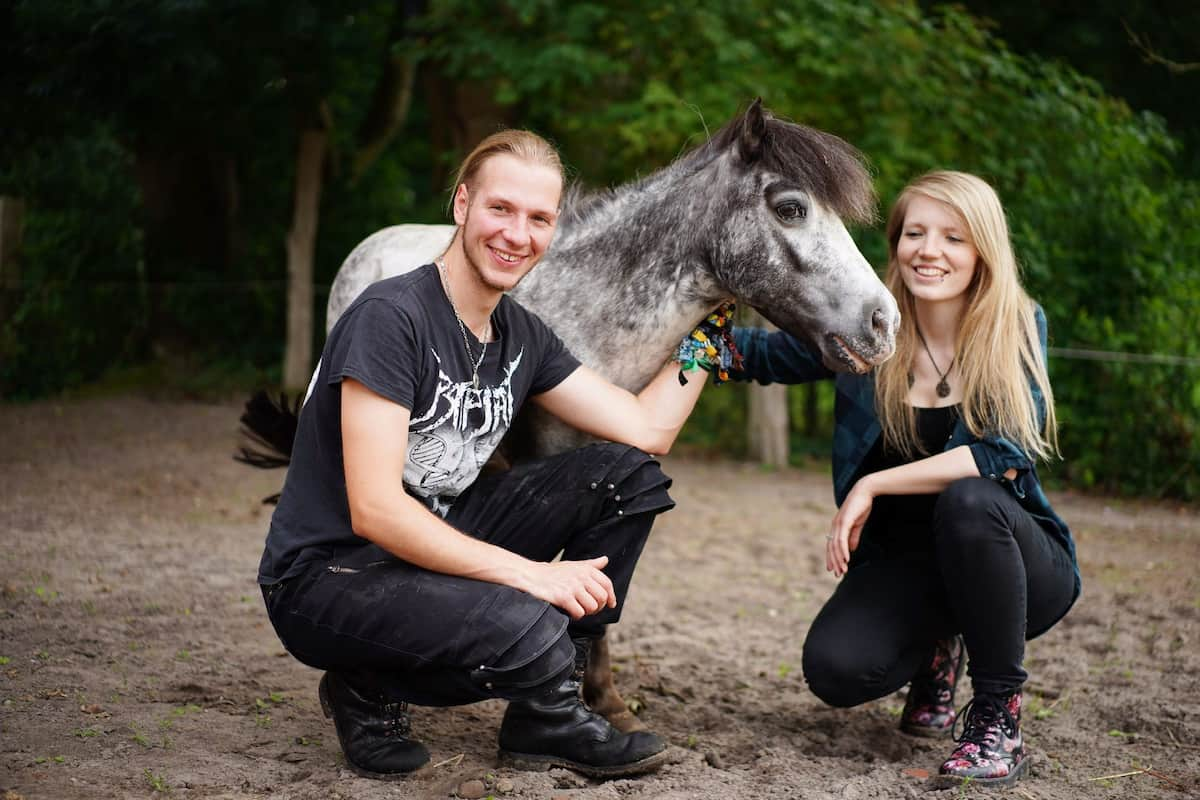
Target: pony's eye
(791, 211)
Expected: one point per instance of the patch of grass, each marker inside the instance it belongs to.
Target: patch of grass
(785, 669)
(157, 783)
(183, 655)
(1040, 709)
(45, 594)
(139, 738)
(4, 660)
(50, 760)
(86, 733)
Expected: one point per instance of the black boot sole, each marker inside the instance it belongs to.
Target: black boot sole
(540, 763)
(953, 781)
(362, 772)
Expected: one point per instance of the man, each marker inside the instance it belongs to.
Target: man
(391, 564)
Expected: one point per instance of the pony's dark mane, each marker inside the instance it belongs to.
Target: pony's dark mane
(827, 167)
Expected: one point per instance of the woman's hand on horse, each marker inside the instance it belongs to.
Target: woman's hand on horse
(578, 588)
(846, 528)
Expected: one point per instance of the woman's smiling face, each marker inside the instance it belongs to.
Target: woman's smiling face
(936, 255)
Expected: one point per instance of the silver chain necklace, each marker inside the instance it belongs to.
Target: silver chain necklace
(462, 327)
(943, 386)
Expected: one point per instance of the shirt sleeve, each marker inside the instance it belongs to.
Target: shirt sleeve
(776, 357)
(376, 344)
(556, 362)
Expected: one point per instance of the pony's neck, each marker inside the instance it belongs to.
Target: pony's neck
(645, 239)
(628, 274)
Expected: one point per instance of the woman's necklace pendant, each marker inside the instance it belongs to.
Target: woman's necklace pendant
(943, 388)
(475, 383)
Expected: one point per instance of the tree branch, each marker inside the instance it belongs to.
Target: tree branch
(1152, 56)
(393, 92)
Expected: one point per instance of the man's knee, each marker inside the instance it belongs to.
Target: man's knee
(538, 661)
(629, 480)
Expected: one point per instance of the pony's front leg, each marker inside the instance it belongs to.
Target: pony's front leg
(600, 693)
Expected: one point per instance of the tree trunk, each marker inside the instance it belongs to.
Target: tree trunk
(810, 409)
(392, 97)
(301, 243)
(12, 225)
(767, 417)
(461, 114)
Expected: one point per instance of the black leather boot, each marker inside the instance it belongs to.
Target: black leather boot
(373, 733)
(558, 730)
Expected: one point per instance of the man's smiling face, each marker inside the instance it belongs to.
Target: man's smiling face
(507, 218)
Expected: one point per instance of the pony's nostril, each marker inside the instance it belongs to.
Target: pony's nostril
(880, 323)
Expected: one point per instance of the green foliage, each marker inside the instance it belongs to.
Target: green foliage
(1097, 206)
(73, 311)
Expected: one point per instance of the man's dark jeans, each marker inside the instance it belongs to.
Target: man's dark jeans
(434, 639)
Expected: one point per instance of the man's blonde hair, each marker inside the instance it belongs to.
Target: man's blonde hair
(525, 145)
(997, 350)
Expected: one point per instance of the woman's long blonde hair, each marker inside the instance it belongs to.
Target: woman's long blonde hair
(997, 349)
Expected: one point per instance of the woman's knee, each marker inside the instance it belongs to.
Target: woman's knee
(836, 672)
(964, 505)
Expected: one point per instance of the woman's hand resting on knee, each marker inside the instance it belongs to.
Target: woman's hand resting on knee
(847, 527)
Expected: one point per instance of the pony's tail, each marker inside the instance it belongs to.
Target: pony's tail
(269, 428)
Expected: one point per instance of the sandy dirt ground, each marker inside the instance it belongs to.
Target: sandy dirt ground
(136, 659)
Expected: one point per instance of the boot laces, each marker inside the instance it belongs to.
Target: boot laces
(981, 718)
(399, 723)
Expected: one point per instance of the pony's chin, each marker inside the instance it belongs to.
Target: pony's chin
(845, 356)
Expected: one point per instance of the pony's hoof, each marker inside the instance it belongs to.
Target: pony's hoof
(625, 721)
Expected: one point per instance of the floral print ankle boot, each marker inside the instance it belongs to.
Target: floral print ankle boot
(929, 709)
(990, 750)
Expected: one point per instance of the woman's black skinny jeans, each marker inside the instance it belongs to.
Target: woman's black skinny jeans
(992, 575)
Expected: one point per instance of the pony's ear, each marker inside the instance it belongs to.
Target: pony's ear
(754, 130)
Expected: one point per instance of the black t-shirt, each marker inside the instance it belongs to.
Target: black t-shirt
(905, 521)
(400, 339)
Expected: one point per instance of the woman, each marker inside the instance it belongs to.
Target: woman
(946, 542)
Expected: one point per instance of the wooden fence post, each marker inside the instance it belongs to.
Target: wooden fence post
(767, 416)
